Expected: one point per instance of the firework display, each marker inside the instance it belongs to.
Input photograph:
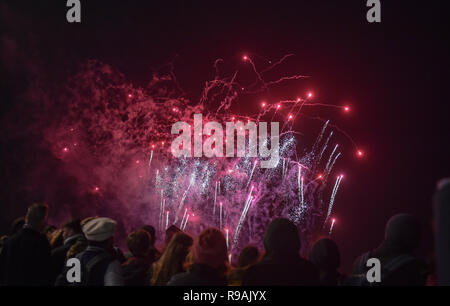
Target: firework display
(116, 127)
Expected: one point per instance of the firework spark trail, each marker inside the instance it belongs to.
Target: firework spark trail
(331, 156)
(167, 219)
(242, 218)
(157, 179)
(324, 147)
(331, 226)
(227, 233)
(300, 189)
(162, 215)
(334, 161)
(185, 222)
(161, 211)
(215, 200)
(180, 206)
(221, 215)
(333, 195)
(150, 159)
(184, 216)
(319, 138)
(284, 169)
(251, 174)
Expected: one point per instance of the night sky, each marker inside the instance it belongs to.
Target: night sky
(394, 74)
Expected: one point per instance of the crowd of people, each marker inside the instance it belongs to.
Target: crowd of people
(37, 254)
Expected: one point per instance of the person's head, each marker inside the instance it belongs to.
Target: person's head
(282, 238)
(49, 231)
(248, 256)
(70, 228)
(36, 216)
(172, 259)
(325, 255)
(17, 225)
(403, 231)
(210, 248)
(138, 242)
(172, 230)
(100, 232)
(151, 230)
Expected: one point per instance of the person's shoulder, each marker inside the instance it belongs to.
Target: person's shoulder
(358, 265)
(13, 240)
(253, 275)
(178, 279)
(60, 250)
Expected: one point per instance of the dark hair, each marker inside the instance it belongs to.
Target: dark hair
(170, 232)
(210, 248)
(282, 237)
(172, 260)
(74, 225)
(36, 214)
(249, 256)
(49, 228)
(17, 225)
(138, 242)
(151, 230)
(325, 255)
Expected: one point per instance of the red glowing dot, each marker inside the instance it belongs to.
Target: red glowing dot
(193, 215)
(130, 96)
(278, 106)
(290, 117)
(360, 153)
(245, 57)
(320, 176)
(310, 94)
(65, 149)
(333, 220)
(232, 118)
(341, 176)
(229, 171)
(298, 99)
(263, 104)
(153, 146)
(96, 189)
(346, 108)
(163, 143)
(137, 162)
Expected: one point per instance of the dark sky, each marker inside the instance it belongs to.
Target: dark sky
(394, 74)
